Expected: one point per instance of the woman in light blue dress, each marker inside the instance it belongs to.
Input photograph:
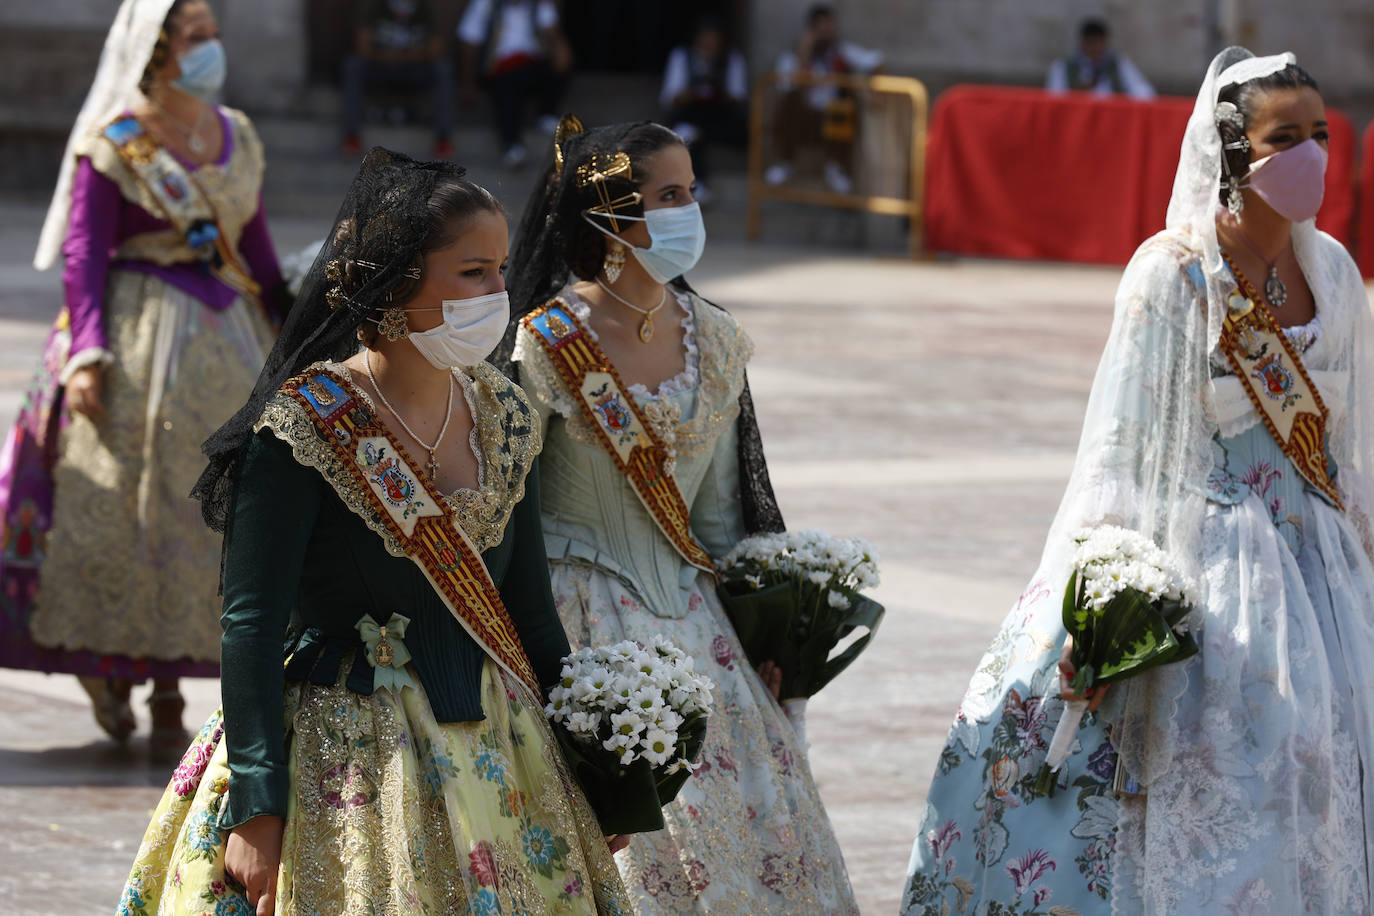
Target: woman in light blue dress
(748, 833)
(1237, 781)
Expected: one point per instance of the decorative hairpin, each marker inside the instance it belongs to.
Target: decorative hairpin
(411, 272)
(570, 125)
(596, 172)
(1227, 113)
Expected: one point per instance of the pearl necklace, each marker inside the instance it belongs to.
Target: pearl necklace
(646, 327)
(448, 415)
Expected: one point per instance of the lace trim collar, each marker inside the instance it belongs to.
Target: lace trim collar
(505, 435)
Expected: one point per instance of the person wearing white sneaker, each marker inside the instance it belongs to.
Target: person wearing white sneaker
(514, 50)
(819, 115)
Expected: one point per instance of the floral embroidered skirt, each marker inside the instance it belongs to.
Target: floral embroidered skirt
(107, 568)
(748, 833)
(392, 812)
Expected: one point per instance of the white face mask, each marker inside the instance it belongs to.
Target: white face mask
(677, 237)
(203, 69)
(470, 331)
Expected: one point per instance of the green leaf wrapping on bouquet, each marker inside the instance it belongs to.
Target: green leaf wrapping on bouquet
(1127, 637)
(863, 612)
(628, 799)
(762, 617)
(778, 623)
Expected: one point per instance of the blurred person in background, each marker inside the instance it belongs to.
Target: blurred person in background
(106, 571)
(515, 50)
(824, 115)
(397, 48)
(1096, 68)
(705, 96)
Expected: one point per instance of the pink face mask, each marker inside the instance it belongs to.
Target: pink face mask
(1293, 181)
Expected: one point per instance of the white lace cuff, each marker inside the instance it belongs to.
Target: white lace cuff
(91, 356)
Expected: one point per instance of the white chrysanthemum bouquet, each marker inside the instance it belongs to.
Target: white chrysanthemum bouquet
(1126, 607)
(793, 597)
(632, 720)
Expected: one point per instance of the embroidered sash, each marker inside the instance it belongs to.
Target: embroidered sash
(181, 200)
(1277, 383)
(620, 424)
(422, 522)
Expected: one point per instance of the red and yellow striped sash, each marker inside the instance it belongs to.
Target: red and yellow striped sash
(621, 426)
(1278, 385)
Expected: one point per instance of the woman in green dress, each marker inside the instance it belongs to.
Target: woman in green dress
(383, 535)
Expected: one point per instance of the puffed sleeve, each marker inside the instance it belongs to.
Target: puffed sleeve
(275, 508)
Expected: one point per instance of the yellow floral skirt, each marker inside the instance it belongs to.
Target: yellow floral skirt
(392, 812)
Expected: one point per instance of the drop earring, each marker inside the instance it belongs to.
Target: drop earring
(393, 325)
(615, 261)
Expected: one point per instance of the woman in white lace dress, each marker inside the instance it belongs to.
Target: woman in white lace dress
(1231, 421)
(629, 545)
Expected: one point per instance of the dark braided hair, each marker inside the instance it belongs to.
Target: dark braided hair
(1243, 96)
(359, 256)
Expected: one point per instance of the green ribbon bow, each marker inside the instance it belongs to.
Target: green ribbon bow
(386, 652)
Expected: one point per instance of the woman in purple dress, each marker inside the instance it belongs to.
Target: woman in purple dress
(169, 283)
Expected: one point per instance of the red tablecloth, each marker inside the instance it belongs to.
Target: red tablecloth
(1364, 227)
(1022, 173)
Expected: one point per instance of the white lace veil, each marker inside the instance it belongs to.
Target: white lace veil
(1146, 447)
(128, 48)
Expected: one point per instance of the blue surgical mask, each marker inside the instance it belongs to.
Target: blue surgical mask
(203, 69)
(677, 236)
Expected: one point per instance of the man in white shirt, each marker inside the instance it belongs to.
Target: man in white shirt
(705, 96)
(820, 114)
(514, 49)
(1096, 68)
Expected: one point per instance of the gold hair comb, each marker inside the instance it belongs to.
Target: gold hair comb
(595, 172)
(569, 126)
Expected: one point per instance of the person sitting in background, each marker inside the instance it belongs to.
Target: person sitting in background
(514, 49)
(397, 49)
(1097, 68)
(821, 113)
(705, 95)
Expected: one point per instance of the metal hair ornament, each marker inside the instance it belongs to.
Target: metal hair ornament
(1228, 115)
(595, 173)
(570, 125)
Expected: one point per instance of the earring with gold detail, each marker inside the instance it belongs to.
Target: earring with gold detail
(615, 260)
(393, 324)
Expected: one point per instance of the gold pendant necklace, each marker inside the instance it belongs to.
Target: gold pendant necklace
(646, 327)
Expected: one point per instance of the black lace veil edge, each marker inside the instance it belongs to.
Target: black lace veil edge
(539, 270)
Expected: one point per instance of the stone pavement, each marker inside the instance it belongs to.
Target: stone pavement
(932, 408)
